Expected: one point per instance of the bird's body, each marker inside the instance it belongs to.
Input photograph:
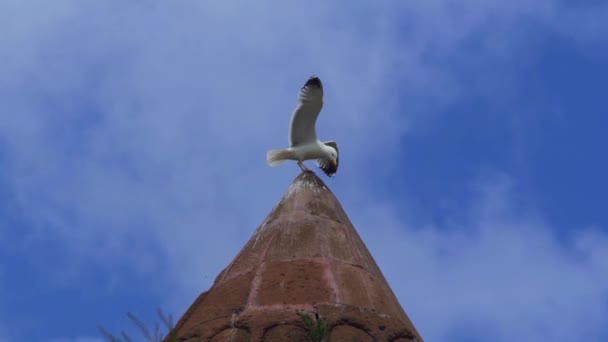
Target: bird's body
(308, 151)
(303, 141)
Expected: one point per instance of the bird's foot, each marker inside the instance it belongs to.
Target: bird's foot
(303, 167)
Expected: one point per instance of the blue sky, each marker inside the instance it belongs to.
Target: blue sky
(133, 138)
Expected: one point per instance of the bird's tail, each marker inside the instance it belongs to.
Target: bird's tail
(276, 157)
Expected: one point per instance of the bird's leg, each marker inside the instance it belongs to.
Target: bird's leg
(302, 166)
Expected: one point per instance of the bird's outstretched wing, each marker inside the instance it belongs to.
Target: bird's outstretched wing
(304, 118)
(327, 165)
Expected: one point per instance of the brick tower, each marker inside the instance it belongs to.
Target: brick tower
(305, 275)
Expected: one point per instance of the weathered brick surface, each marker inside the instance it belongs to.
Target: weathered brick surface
(305, 259)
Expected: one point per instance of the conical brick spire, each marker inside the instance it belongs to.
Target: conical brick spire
(303, 270)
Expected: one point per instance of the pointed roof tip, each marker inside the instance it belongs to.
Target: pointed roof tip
(305, 182)
(309, 179)
(307, 173)
(306, 256)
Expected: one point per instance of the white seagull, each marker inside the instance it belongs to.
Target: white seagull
(303, 141)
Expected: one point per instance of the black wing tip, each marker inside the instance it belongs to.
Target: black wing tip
(329, 173)
(314, 81)
(329, 170)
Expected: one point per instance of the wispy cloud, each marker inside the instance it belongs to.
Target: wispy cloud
(121, 136)
(499, 274)
(138, 132)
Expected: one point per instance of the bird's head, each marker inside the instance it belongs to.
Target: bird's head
(332, 155)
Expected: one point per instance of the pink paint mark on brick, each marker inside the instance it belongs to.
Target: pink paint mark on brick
(328, 276)
(257, 280)
(255, 284)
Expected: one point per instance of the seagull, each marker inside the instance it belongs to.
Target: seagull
(303, 141)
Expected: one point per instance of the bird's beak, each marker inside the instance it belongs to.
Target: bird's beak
(334, 163)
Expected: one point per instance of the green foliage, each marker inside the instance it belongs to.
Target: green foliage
(156, 336)
(316, 329)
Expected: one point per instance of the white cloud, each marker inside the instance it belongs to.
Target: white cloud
(138, 128)
(501, 271)
(135, 124)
